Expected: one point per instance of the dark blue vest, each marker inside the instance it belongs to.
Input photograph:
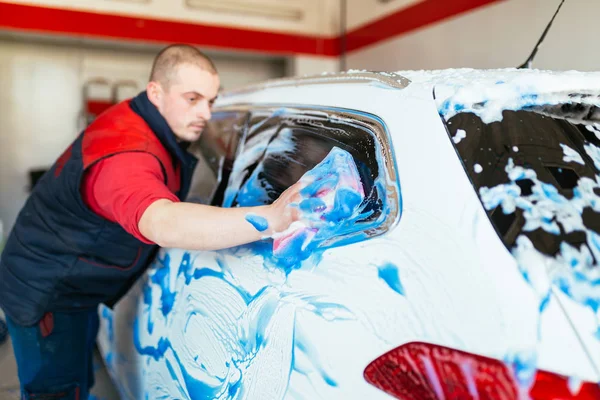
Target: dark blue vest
(60, 256)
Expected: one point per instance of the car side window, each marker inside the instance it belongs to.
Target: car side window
(215, 151)
(281, 145)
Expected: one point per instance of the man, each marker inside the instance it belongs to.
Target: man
(95, 220)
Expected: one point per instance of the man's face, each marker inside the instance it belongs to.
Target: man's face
(186, 104)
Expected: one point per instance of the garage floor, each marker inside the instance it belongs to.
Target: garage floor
(9, 382)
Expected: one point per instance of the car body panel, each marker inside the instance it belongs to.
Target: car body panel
(547, 92)
(230, 324)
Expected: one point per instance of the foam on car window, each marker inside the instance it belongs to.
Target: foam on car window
(252, 191)
(571, 269)
(332, 195)
(279, 150)
(555, 210)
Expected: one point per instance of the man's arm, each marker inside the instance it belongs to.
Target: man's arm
(128, 189)
(200, 227)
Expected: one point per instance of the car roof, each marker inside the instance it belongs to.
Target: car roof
(389, 79)
(489, 92)
(542, 80)
(465, 89)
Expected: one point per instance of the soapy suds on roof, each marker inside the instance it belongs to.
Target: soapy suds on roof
(487, 93)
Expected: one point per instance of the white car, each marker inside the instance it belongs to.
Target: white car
(464, 265)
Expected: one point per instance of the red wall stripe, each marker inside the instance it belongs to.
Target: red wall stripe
(97, 25)
(408, 19)
(40, 19)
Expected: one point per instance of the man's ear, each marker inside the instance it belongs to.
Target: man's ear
(155, 92)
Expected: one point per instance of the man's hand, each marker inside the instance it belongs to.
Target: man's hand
(200, 227)
(285, 210)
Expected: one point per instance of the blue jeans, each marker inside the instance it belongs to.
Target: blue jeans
(55, 357)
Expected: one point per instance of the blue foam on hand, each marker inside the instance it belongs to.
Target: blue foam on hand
(259, 223)
(346, 202)
(332, 198)
(312, 205)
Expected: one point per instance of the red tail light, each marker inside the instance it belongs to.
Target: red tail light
(552, 386)
(421, 371)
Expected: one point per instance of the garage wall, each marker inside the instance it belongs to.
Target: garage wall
(309, 17)
(41, 101)
(288, 27)
(312, 65)
(500, 34)
(361, 12)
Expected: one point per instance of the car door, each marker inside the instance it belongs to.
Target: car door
(241, 323)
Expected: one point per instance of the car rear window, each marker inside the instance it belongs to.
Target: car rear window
(535, 172)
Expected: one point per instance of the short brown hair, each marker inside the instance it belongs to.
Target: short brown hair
(168, 59)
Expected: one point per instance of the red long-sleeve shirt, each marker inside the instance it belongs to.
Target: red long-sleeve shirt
(121, 187)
